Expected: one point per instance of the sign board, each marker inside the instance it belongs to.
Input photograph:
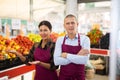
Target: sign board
(30, 26)
(0, 23)
(16, 24)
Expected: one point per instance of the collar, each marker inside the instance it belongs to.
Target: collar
(76, 36)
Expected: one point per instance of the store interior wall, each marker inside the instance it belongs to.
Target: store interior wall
(54, 11)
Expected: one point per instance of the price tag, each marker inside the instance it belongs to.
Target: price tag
(4, 78)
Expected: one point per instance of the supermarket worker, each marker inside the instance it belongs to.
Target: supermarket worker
(72, 51)
(41, 54)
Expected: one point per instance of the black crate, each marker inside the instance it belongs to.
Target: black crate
(4, 64)
(9, 63)
(101, 72)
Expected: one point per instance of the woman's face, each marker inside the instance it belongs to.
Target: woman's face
(44, 32)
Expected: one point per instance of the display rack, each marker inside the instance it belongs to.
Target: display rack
(22, 69)
(104, 54)
(16, 71)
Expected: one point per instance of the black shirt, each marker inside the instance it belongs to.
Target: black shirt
(50, 45)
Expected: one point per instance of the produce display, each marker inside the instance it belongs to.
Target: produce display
(104, 41)
(62, 33)
(22, 44)
(54, 36)
(34, 37)
(95, 36)
(7, 44)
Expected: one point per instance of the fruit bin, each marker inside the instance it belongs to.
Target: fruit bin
(9, 63)
(22, 69)
(15, 62)
(3, 64)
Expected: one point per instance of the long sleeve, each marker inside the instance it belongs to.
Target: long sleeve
(77, 59)
(85, 42)
(52, 65)
(71, 58)
(57, 54)
(30, 57)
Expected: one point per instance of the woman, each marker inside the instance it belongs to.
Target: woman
(41, 55)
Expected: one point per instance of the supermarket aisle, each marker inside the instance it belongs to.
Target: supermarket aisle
(99, 77)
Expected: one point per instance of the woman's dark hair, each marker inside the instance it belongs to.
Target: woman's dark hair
(46, 23)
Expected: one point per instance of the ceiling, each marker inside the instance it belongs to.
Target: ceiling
(84, 1)
(20, 9)
(87, 1)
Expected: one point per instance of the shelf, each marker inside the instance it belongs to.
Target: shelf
(96, 51)
(104, 55)
(16, 71)
(22, 69)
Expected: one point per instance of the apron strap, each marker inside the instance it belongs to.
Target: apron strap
(79, 39)
(64, 39)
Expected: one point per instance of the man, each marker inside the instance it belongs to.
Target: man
(72, 51)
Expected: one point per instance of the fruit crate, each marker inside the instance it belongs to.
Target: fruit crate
(15, 62)
(4, 64)
(9, 63)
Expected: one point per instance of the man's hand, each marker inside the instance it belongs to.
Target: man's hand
(64, 55)
(83, 52)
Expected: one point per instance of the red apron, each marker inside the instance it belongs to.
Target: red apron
(41, 72)
(72, 71)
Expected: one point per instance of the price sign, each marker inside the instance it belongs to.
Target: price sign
(0, 23)
(30, 26)
(16, 24)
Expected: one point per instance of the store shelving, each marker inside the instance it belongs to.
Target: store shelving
(22, 69)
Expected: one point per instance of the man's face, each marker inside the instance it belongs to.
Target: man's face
(70, 24)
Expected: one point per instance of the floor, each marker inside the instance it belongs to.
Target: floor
(99, 77)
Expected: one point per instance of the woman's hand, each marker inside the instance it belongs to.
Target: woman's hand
(23, 58)
(11, 51)
(34, 62)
